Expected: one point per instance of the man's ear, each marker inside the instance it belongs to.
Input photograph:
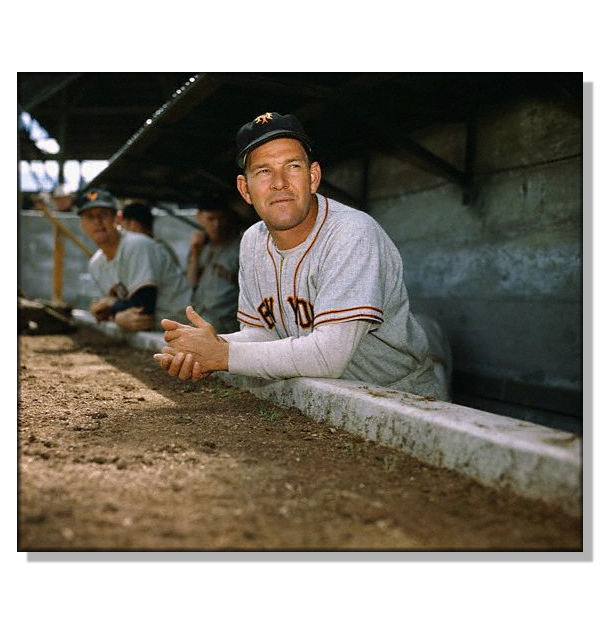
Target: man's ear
(315, 176)
(242, 186)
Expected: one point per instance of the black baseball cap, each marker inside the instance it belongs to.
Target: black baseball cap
(95, 198)
(266, 127)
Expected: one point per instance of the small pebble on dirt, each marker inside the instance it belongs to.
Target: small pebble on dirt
(98, 415)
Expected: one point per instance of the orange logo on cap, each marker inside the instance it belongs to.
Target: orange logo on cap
(263, 119)
(92, 196)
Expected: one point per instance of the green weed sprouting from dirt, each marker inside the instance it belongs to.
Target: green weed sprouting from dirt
(390, 463)
(222, 392)
(269, 414)
(354, 449)
(349, 448)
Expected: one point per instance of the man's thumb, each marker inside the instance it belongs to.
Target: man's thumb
(195, 318)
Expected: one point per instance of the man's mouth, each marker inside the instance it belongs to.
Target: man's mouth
(281, 200)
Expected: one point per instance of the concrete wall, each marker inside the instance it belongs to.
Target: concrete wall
(35, 261)
(504, 273)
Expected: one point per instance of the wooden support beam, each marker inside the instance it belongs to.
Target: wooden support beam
(58, 260)
(64, 230)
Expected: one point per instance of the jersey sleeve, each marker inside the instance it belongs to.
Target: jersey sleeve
(247, 334)
(144, 297)
(246, 313)
(324, 353)
(351, 280)
(140, 265)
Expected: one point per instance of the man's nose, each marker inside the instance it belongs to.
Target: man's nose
(279, 180)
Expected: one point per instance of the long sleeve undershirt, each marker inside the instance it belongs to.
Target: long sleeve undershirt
(324, 353)
(144, 297)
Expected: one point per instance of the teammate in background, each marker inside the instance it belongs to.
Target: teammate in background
(137, 280)
(322, 292)
(137, 217)
(62, 199)
(213, 265)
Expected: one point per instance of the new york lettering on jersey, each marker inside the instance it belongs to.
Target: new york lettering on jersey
(296, 290)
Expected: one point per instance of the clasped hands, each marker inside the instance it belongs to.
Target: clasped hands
(100, 308)
(192, 352)
(131, 319)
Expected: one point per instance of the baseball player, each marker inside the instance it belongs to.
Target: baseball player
(322, 292)
(213, 265)
(137, 216)
(136, 279)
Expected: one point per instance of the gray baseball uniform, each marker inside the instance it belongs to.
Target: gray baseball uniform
(169, 249)
(215, 298)
(140, 261)
(348, 270)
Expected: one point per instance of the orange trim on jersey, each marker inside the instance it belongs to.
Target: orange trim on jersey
(277, 285)
(311, 244)
(340, 310)
(365, 317)
(249, 323)
(241, 312)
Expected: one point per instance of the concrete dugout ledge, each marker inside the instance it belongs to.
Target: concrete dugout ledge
(531, 460)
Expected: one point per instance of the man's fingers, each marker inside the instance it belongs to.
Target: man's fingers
(164, 360)
(186, 367)
(143, 322)
(176, 364)
(180, 364)
(171, 335)
(195, 318)
(196, 373)
(171, 351)
(169, 324)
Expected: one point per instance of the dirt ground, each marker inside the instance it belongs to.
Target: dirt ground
(117, 456)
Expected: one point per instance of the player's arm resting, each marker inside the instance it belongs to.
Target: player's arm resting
(197, 242)
(248, 334)
(324, 353)
(101, 308)
(144, 297)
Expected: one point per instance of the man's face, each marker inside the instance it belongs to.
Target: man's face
(215, 223)
(279, 183)
(132, 225)
(98, 224)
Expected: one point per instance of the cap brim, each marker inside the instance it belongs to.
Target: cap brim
(96, 205)
(269, 136)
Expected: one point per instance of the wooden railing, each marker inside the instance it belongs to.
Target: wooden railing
(60, 232)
